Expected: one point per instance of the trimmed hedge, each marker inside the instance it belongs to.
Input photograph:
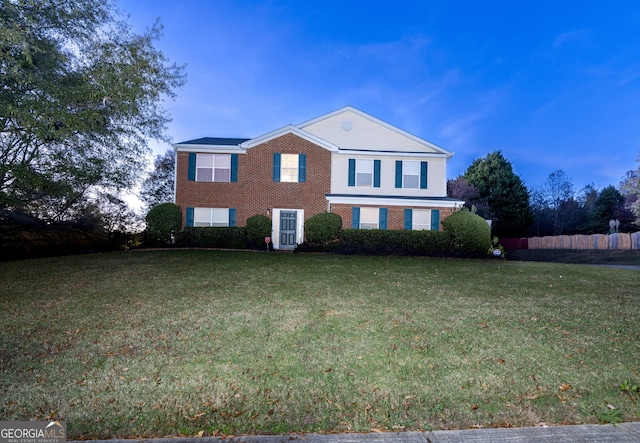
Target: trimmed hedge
(215, 237)
(162, 220)
(258, 227)
(471, 234)
(323, 227)
(383, 242)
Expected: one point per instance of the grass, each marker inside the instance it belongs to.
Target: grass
(183, 343)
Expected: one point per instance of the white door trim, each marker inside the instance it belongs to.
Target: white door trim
(275, 225)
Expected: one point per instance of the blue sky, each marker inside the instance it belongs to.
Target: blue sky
(553, 84)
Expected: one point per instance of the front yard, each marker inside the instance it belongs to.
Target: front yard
(170, 343)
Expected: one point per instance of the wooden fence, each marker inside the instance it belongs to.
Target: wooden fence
(595, 241)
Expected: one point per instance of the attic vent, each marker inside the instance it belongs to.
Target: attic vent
(347, 125)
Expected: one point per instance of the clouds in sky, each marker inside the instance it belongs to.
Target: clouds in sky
(554, 85)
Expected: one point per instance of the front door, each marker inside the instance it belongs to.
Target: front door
(288, 229)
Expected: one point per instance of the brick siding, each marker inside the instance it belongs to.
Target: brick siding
(255, 191)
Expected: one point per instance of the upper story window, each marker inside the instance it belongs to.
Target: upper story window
(364, 173)
(213, 167)
(290, 168)
(411, 174)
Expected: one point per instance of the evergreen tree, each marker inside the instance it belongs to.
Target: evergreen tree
(506, 194)
(608, 207)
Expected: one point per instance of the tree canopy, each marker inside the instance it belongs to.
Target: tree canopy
(158, 186)
(630, 188)
(506, 194)
(80, 95)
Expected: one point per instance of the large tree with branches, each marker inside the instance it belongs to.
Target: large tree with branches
(80, 96)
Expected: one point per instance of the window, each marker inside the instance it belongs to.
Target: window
(421, 219)
(364, 173)
(368, 218)
(213, 167)
(206, 217)
(411, 174)
(291, 168)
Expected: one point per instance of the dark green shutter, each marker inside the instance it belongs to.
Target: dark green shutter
(191, 176)
(234, 167)
(232, 216)
(352, 172)
(408, 219)
(276, 166)
(189, 217)
(382, 223)
(435, 219)
(398, 173)
(355, 217)
(302, 168)
(423, 175)
(376, 173)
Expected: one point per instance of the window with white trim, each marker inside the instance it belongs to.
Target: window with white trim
(289, 168)
(421, 219)
(364, 172)
(410, 174)
(213, 167)
(203, 217)
(369, 218)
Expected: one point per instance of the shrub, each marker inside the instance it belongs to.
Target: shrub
(162, 220)
(214, 237)
(469, 232)
(323, 228)
(258, 227)
(20, 240)
(383, 242)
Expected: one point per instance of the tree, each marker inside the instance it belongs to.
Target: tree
(608, 207)
(158, 187)
(557, 193)
(80, 94)
(112, 217)
(506, 194)
(630, 188)
(461, 189)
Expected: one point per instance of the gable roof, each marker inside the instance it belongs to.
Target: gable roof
(289, 129)
(319, 124)
(330, 135)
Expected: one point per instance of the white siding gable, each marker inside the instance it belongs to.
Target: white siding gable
(349, 128)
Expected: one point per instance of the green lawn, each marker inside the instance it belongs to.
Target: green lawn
(144, 344)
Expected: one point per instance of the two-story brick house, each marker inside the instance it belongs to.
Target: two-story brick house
(374, 175)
